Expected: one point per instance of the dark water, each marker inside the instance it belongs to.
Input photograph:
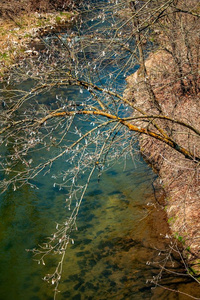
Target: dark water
(121, 236)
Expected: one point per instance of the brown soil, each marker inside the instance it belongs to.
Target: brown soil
(20, 35)
(179, 176)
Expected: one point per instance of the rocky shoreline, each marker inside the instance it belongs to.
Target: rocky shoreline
(178, 176)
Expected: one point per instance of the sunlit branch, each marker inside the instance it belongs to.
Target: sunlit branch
(131, 127)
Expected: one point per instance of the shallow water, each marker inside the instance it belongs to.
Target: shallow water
(111, 245)
(118, 233)
(121, 235)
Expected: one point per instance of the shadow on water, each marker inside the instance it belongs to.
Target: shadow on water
(109, 258)
(121, 233)
(118, 233)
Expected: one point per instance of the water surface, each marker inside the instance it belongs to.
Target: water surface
(121, 235)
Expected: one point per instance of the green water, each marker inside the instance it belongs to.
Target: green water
(118, 233)
(121, 234)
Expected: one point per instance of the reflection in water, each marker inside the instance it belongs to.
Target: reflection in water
(118, 234)
(119, 238)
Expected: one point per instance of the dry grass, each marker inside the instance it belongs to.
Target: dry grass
(16, 34)
(180, 177)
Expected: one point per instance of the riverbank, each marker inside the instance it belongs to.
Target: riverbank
(20, 36)
(178, 176)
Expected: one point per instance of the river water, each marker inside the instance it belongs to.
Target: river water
(122, 235)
